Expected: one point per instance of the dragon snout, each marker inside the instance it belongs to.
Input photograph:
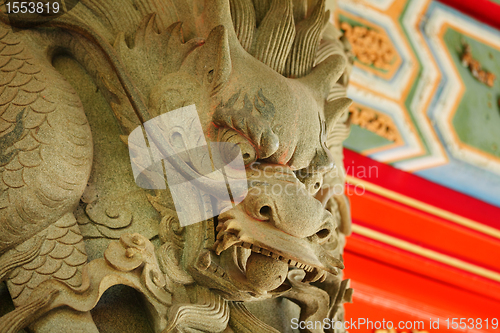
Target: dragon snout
(326, 230)
(298, 213)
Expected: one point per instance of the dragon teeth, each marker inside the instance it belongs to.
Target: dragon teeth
(314, 275)
(246, 245)
(265, 252)
(232, 239)
(256, 249)
(268, 253)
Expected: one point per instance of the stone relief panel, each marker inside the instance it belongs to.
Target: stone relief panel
(188, 150)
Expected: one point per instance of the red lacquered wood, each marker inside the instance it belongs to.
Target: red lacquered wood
(417, 295)
(424, 229)
(421, 266)
(482, 10)
(421, 189)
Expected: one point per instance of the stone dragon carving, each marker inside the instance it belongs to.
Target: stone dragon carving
(268, 76)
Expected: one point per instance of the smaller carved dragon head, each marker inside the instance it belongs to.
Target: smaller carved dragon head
(246, 252)
(277, 226)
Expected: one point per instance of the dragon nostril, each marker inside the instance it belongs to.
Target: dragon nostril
(316, 186)
(323, 234)
(265, 211)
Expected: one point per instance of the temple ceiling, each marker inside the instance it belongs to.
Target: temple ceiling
(426, 91)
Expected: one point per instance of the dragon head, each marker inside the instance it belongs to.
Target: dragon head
(280, 124)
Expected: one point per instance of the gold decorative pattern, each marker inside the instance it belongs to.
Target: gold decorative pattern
(370, 46)
(475, 68)
(375, 122)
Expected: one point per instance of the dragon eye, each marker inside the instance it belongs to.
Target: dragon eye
(247, 150)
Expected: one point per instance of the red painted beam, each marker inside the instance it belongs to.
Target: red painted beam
(383, 291)
(426, 269)
(421, 228)
(418, 188)
(482, 10)
(432, 232)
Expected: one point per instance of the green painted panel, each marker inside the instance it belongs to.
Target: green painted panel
(362, 139)
(414, 84)
(477, 119)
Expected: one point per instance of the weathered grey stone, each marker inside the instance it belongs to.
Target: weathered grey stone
(90, 244)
